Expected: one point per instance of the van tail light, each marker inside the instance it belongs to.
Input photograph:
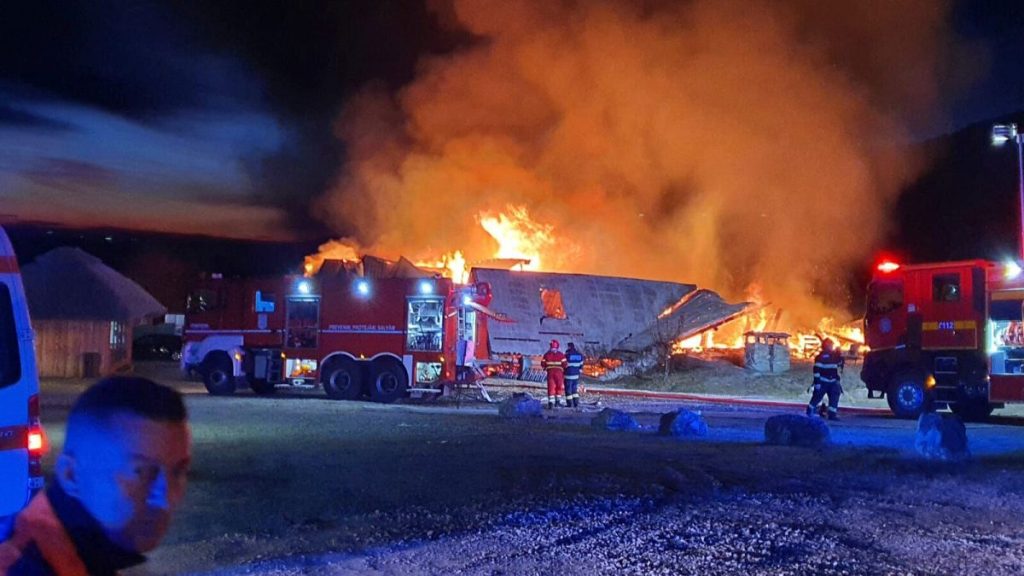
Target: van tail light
(36, 434)
(35, 441)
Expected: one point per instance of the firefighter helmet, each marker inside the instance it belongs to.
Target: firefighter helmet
(827, 345)
(554, 344)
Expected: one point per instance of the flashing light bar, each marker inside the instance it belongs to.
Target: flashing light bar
(426, 287)
(1012, 270)
(363, 287)
(304, 287)
(888, 267)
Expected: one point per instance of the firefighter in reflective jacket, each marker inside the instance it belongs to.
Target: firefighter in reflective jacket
(828, 368)
(574, 365)
(554, 362)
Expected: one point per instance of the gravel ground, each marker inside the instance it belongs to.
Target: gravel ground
(298, 484)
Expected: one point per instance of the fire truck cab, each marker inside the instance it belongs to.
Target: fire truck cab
(22, 441)
(353, 335)
(945, 334)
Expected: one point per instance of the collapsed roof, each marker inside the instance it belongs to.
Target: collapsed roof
(602, 314)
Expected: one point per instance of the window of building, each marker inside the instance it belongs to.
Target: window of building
(551, 300)
(118, 341)
(946, 288)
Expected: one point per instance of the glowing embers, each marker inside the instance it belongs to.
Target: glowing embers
(551, 301)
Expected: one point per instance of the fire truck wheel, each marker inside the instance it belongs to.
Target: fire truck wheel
(906, 395)
(972, 410)
(342, 379)
(218, 375)
(388, 381)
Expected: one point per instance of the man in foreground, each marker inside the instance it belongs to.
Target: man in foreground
(119, 480)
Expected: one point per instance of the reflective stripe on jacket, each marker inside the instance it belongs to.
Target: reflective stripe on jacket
(574, 365)
(553, 360)
(828, 367)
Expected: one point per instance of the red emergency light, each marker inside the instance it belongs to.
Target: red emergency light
(888, 266)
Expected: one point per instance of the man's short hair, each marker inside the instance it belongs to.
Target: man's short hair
(128, 395)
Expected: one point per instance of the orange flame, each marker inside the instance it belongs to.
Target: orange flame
(341, 249)
(518, 236)
(451, 265)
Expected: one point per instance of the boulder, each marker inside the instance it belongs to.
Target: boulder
(683, 423)
(941, 437)
(519, 405)
(795, 430)
(688, 481)
(610, 419)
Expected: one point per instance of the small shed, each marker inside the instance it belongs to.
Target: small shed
(767, 351)
(83, 314)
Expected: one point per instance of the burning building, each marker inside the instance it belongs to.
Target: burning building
(607, 317)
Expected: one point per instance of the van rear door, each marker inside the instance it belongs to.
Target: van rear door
(19, 391)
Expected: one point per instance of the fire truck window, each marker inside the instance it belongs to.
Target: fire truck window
(1005, 310)
(10, 363)
(303, 316)
(885, 297)
(202, 301)
(424, 326)
(946, 288)
(552, 302)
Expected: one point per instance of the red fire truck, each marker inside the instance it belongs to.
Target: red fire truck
(356, 336)
(945, 334)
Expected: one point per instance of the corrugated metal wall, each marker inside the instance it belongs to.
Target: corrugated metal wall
(600, 311)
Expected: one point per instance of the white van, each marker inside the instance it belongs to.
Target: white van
(21, 434)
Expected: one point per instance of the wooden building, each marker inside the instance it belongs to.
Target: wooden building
(83, 314)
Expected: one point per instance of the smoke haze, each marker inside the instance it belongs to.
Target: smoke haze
(719, 142)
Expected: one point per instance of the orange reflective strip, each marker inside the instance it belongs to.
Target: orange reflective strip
(8, 265)
(13, 437)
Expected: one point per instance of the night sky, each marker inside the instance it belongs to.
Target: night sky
(219, 117)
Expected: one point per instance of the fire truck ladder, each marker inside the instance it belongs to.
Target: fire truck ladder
(461, 389)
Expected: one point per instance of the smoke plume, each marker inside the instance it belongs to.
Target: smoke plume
(720, 142)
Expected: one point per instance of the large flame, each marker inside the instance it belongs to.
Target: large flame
(714, 141)
(519, 237)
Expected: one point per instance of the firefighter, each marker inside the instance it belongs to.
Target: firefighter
(828, 369)
(554, 363)
(119, 480)
(574, 365)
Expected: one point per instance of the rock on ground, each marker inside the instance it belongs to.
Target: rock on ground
(795, 430)
(683, 423)
(610, 419)
(519, 405)
(941, 437)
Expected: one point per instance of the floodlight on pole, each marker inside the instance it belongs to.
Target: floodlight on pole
(1001, 134)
